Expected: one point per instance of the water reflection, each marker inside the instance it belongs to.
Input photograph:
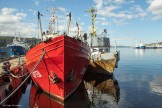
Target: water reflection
(96, 91)
(103, 91)
(156, 85)
(139, 52)
(38, 99)
(7, 86)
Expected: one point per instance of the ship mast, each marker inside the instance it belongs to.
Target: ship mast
(53, 22)
(68, 26)
(51, 27)
(93, 16)
(39, 20)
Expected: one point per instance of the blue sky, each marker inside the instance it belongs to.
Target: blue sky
(127, 21)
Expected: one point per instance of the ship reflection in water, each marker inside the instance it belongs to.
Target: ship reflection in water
(96, 91)
(7, 86)
(103, 91)
(139, 52)
(38, 99)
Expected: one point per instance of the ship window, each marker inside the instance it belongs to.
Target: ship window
(100, 50)
(94, 50)
(106, 50)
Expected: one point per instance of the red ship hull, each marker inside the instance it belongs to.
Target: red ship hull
(61, 70)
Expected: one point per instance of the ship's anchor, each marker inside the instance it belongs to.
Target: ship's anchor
(54, 78)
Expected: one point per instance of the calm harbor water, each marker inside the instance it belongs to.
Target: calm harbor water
(137, 83)
(140, 78)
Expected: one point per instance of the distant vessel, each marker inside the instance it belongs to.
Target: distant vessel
(13, 51)
(18, 41)
(140, 46)
(63, 61)
(18, 47)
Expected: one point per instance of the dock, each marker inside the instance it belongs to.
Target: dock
(14, 62)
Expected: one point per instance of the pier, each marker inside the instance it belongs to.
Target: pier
(13, 62)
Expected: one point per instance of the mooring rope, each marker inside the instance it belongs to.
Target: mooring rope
(41, 57)
(18, 76)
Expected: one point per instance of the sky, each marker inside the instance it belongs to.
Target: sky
(127, 21)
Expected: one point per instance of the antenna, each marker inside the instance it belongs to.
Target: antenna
(93, 16)
(53, 24)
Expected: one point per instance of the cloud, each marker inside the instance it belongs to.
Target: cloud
(8, 15)
(36, 2)
(33, 11)
(119, 1)
(11, 21)
(62, 9)
(155, 7)
(107, 11)
(98, 3)
(119, 22)
(105, 23)
(139, 11)
(116, 10)
(101, 18)
(7, 11)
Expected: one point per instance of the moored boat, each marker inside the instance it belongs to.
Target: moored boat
(140, 46)
(63, 62)
(18, 47)
(102, 60)
(14, 51)
(18, 41)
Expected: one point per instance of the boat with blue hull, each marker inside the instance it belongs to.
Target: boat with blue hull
(18, 47)
(11, 51)
(16, 51)
(140, 46)
(18, 41)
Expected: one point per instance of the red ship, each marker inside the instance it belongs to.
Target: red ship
(61, 62)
